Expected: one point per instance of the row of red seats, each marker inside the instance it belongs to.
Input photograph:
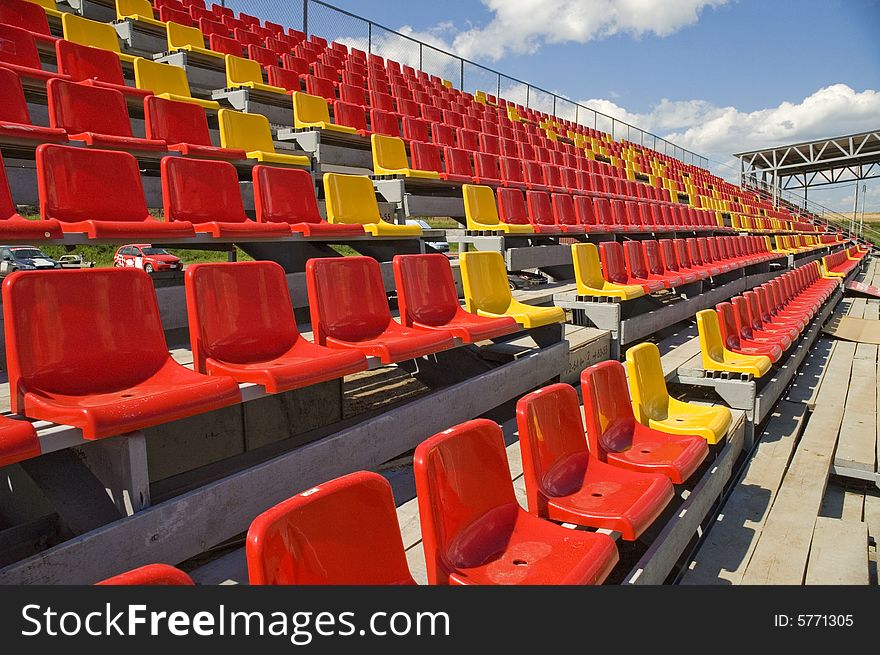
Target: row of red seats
(616, 474)
(769, 319)
(104, 384)
(840, 262)
(669, 263)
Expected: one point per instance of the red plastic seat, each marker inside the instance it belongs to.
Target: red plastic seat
(384, 122)
(617, 438)
(457, 163)
(287, 195)
(735, 342)
(27, 16)
(95, 67)
(564, 213)
(151, 574)
(108, 371)
(13, 226)
(241, 324)
(18, 441)
(486, 169)
(15, 121)
(98, 192)
(184, 127)
(565, 482)
(615, 270)
(427, 299)
(756, 315)
(671, 262)
(18, 52)
(349, 309)
(770, 311)
(745, 326)
(637, 265)
(475, 532)
(96, 115)
(342, 532)
(541, 212)
(512, 207)
(205, 193)
(585, 211)
(695, 255)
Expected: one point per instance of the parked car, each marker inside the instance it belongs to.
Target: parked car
(146, 257)
(439, 246)
(24, 258)
(74, 261)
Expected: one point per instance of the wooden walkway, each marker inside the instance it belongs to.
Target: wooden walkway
(789, 520)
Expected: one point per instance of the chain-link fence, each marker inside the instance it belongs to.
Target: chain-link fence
(334, 24)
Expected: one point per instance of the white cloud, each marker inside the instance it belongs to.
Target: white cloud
(524, 26)
(718, 132)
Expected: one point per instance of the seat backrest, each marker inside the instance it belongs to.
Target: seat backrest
(653, 257)
(540, 210)
(350, 199)
(79, 184)
(240, 71)
(151, 574)
(585, 257)
(14, 106)
(260, 56)
(308, 109)
(284, 195)
(425, 289)
(141, 8)
(613, 262)
(647, 384)
(341, 532)
(239, 312)
(84, 108)
(608, 411)
(25, 15)
(728, 325)
(585, 210)
(161, 78)
(247, 132)
(225, 45)
(426, 156)
(563, 209)
(384, 122)
(669, 255)
(17, 47)
(709, 332)
(89, 32)
(479, 204)
(201, 191)
(346, 298)
(415, 129)
(634, 256)
(553, 445)
(755, 313)
(457, 161)
(743, 316)
(82, 62)
(181, 35)
(80, 332)
(512, 207)
(462, 477)
(171, 16)
(175, 122)
(389, 153)
(484, 278)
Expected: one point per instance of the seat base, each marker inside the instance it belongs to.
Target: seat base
(18, 441)
(146, 229)
(398, 343)
(652, 451)
(17, 228)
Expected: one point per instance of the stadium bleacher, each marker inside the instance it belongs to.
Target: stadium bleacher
(632, 228)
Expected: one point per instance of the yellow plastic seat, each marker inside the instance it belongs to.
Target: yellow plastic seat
(718, 358)
(487, 292)
(137, 10)
(167, 81)
(654, 408)
(389, 158)
(481, 211)
(247, 73)
(351, 199)
(188, 39)
(312, 112)
(92, 33)
(49, 7)
(589, 279)
(251, 133)
(480, 96)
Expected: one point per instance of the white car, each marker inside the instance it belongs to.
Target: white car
(439, 246)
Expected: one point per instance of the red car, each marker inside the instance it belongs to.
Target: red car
(147, 257)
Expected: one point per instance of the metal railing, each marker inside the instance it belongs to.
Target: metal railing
(334, 24)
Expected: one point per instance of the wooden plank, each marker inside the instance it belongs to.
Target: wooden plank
(853, 504)
(839, 553)
(780, 556)
(857, 444)
(727, 548)
(187, 525)
(872, 514)
(668, 547)
(806, 383)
